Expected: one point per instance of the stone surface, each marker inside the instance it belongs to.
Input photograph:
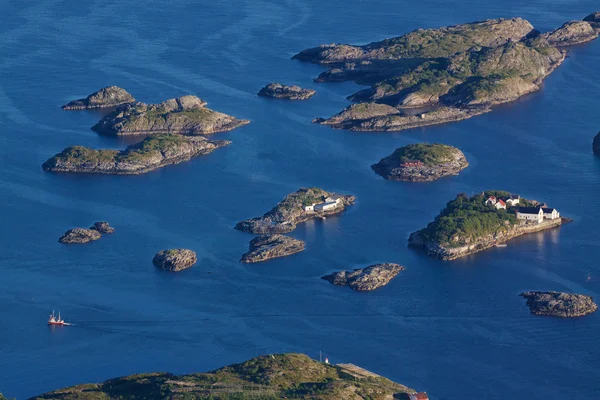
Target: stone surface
(103, 227)
(152, 153)
(366, 279)
(290, 211)
(433, 161)
(571, 33)
(264, 248)
(279, 91)
(596, 144)
(174, 260)
(79, 235)
(594, 19)
(184, 115)
(110, 96)
(559, 304)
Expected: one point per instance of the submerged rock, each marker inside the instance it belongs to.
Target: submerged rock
(110, 96)
(571, 33)
(152, 153)
(79, 235)
(421, 163)
(103, 227)
(365, 279)
(184, 115)
(559, 304)
(596, 145)
(279, 91)
(174, 260)
(264, 248)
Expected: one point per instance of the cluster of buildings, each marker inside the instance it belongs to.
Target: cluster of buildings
(329, 204)
(526, 214)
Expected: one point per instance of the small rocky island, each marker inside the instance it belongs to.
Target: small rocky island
(297, 207)
(421, 163)
(174, 260)
(110, 96)
(277, 376)
(279, 91)
(468, 225)
(596, 145)
(82, 235)
(434, 76)
(152, 153)
(365, 279)
(185, 115)
(559, 304)
(264, 248)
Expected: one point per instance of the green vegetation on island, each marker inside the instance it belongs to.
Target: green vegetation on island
(278, 376)
(149, 154)
(428, 154)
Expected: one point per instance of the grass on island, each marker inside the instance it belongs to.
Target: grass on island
(428, 154)
(301, 198)
(465, 219)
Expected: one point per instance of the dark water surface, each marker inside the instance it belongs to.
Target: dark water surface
(456, 330)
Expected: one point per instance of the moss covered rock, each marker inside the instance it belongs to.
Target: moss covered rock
(174, 260)
(110, 96)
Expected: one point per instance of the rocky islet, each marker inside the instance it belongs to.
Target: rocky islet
(559, 304)
(82, 235)
(110, 96)
(174, 260)
(279, 91)
(365, 279)
(266, 247)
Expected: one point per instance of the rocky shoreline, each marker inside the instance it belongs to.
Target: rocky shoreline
(435, 250)
(186, 115)
(365, 279)
(111, 96)
(279, 91)
(300, 206)
(451, 73)
(152, 153)
(558, 304)
(174, 260)
(264, 248)
(421, 163)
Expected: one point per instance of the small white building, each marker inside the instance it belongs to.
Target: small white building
(309, 208)
(500, 204)
(491, 201)
(513, 200)
(531, 214)
(329, 204)
(551, 213)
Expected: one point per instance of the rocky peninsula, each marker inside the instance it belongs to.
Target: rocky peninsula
(297, 207)
(447, 74)
(275, 376)
(279, 91)
(79, 236)
(596, 145)
(365, 279)
(174, 260)
(557, 304)
(468, 225)
(152, 153)
(421, 162)
(110, 96)
(264, 248)
(185, 115)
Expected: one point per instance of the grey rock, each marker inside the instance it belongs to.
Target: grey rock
(110, 96)
(103, 227)
(174, 260)
(559, 304)
(365, 279)
(279, 91)
(264, 248)
(571, 33)
(79, 235)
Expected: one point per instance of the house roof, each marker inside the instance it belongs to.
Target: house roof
(492, 198)
(547, 210)
(529, 210)
(501, 202)
(419, 396)
(515, 197)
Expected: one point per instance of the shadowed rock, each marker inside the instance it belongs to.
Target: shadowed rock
(559, 304)
(366, 279)
(110, 96)
(174, 260)
(79, 235)
(279, 91)
(264, 248)
(103, 227)
(596, 144)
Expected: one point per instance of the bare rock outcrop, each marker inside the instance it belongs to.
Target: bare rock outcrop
(174, 260)
(103, 227)
(264, 248)
(79, 235)
(558, 304)
(571, 33)
(365, 279)
(279, 91)
(110, 96)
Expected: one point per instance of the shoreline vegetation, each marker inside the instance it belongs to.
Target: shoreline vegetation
(468, 225)
(268, 377)
(434, 76)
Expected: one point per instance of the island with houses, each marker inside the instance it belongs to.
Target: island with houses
(468, 225)
(303, 205)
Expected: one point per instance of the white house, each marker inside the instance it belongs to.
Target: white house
(309, 208)
(491, 201)
(551, 213)
(513, 200)
(531, 214)
(500, 204)
(329, 204)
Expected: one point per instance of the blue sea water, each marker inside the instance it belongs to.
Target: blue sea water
(455, 329)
